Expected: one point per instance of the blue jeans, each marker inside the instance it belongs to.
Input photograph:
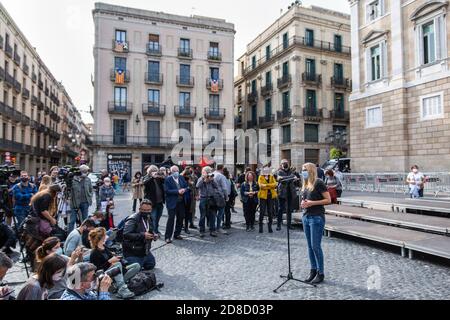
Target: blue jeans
(313, 227)
(21, 213)
(220, 214)
(156, 216)
(206, 212)
(84, 208)
(147, 263)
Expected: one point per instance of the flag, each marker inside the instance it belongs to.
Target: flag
(214, 86)
(120, 76)
(119, 46)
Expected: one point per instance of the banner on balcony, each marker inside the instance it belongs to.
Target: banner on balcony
(119, 163)
(121, 46)
(120, 76)
(215, 86)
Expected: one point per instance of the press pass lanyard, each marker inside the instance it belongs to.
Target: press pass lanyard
(146, 225)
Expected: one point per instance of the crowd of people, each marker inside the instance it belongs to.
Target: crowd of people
(60, 239)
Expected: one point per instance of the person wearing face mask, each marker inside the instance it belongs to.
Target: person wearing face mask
(267, 194)
(83, 283)
(154, 191)
(138, 235)
(50, 271)
(22, 193)
(5, 264)
(54, 171)
(138, 189)
(176, 190)
(286, 193)
(45, 207)
(81, 197)
(416, 181)
(75, 238)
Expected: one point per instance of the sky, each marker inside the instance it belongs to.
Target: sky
(62, 31)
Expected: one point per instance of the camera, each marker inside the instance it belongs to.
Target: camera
(66, 175)
(113, 272)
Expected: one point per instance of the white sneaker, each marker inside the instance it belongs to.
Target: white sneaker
(221, 231)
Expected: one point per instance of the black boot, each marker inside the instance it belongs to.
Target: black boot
(279, 227)
(312, 275)
(318, 279)
(270, 228)
(261, 228)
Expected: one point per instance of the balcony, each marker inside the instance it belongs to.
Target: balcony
(153, 110)
(285, 81)
(47, 91)
(34, 100)
(312, 114)
(133, 141)
(154, 49)
(17, 87)
(214, 56)
(340, 116)
(120, 46)
(41, 85)
(239, 99)
(12, 146)
(9, 80)
(284, 116)
(47, 110)
(34, 77)
(184, 53)
(214, 85)
(1, 42)
(26, 69)
(8, 50)
(119, 77)
(25, 93)
(34, 125)
(267, 90)
(266, 121)
(252, 124)
(16, 59)
(215, 113)
(26, 121)
(252, 97)
(187, 82)
(185, 112)
(312, 79)
(40, 105)
(154, 78)
(124, 108)
(341, 83)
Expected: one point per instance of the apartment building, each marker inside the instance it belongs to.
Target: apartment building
(156, 73)
(294, 82)
(401, 85)
(30, 103)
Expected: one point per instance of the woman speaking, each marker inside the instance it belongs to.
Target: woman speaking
(314, 199)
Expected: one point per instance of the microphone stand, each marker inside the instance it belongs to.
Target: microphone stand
(290, 275)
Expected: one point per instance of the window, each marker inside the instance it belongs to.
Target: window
(214, 49)
(286, 134)
(311, 133)
(268, 78)
(374, 117)
(338, 43)
(339, 103)
(153, 133)
(121, 36)
(268, 51)
(376, 62)
(214, 130)
(254, 114)
(431, 106)
(286, 101)
(285, 40)
(153, 71)
(269, 142)
(374, 10)
(185, 46)
(153, 42)
(268, 107)
(13, 133)
(253, 62)
(120, 63)
(312, 156)
(185, 73)
(120, 97)
(185, 125)
(254, 86)
(214, 73)
(153, 98)
(120, 132)
(311, 100)
(185, 100)
(338, 73)
(285, 69)
(309, 37)
(310, 69)
(214, 101)
(429, 43)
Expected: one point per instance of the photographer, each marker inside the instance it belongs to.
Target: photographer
(138, 235)
(23, 192)
(286, 193)
(83, 281)
(105, 260)
(154, 191)
(81, 196)
(5, 264)
(207, 187)
(106, 193)
(44, 207)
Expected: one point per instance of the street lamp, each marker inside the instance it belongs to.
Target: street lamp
(338, 139)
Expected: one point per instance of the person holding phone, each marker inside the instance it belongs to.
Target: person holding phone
(315, 197)
(5, 264)
(249, 196)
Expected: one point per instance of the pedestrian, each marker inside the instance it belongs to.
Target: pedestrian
(334, 185)
(314, 199)
(232, 194)
(104, 174)
(22, 193)
(286, 192)
(207, 188)
(138, 189)
(416, 181)
(190, 201)
(154, 191)
(126, 179)
(81, 197)
(266, 195)
(115, 181)
(249, 196)
(221, 181)
(320, 172)
(175, 188)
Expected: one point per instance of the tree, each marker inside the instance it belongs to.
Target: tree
(336, 153)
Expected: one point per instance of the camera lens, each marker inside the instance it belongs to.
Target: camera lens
(113, 272)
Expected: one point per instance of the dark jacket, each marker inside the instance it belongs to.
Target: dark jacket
(171, 190)
(246, 188)
(134, 243)
(150, 189)
(99, 258)
(285, 188)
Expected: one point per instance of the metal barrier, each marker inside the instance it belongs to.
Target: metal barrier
(436, 182)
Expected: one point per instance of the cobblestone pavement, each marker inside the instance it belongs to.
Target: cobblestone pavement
(245, 265)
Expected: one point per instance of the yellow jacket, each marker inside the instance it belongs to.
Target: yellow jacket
(265, 185)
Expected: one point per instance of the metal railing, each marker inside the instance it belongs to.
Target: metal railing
(185, 111)
(115, 77)
(312, 113)
(266, 121)
(341, 83)
(154, 78)
(267, 89)
(284, 116)
(16, 58)
(120, 107)
(154, 49)
(185, 81)
(312, 78)
(153, 109)
(214, 56)
(284, 81)
(215, 113)
(185, 53)
(209, 84)
(252, 97)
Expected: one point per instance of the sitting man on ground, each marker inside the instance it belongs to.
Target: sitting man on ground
(75, 238)
(82, 282)
(138, 236)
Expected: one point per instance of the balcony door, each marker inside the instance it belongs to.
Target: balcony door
(153, 99)
(311, 101)
(268, 108)
(121, 36)
(185, 103)
(120, 98)
(185, 73)
(153, 133)
(214, 73)
(214, 100)
(309, 37)
(338, 72)
(120, 64)
(120, 132)
(153, 71)
(310, 69)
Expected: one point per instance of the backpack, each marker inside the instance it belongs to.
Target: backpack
(143, 282)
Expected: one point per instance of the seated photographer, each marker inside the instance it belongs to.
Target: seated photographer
(88, 282)
(44, 207)
(138, 235)
(75, 238)
(50, 271)
(113, 265)
(5, 264)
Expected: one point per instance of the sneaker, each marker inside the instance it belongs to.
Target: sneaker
(125, 293)
(168, 241)
(178, 238)
(222, 231)
(213, 234)
(202, 234)
(186, 230)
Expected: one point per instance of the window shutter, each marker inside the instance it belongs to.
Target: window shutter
(384, 60)
(368, 66)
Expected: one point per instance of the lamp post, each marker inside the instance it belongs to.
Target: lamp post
(338, 139)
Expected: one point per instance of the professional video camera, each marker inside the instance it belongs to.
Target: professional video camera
(5, 173)
(66, 175)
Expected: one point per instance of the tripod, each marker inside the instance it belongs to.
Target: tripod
(289, 276)
(21, 246)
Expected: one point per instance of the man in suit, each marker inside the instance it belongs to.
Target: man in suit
(176, 188)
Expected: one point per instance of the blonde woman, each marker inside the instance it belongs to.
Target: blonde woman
(45, 183)
(314, 199)
(267, 195)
